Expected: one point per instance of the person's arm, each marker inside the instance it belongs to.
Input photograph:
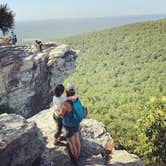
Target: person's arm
(72, 97)
(61, 112)
(65, 107)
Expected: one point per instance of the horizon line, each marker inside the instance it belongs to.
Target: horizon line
(97, 17)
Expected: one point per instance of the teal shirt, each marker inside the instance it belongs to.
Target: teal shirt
(12, 35)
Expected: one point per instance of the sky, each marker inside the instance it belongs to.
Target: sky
(59, 9)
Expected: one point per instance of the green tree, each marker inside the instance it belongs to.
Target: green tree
(151, 130)
(6, 18)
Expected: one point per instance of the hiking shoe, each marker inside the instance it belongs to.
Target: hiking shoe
(62, 138)
(73, 160)
(76, 162)
(59, 143)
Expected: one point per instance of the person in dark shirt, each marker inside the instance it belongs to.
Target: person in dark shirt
(38, 45)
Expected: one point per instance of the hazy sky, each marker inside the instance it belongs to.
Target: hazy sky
(50, 9)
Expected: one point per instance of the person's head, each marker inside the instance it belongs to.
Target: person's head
(59, 89)
(70, 89)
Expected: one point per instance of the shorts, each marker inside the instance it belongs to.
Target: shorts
(70, 131)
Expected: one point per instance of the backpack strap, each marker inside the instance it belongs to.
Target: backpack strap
(70, 101)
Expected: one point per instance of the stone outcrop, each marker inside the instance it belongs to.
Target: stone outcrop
(27, 76)
(96, 143)
(21, 142)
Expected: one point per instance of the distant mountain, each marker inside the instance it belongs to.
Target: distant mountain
(57, 29)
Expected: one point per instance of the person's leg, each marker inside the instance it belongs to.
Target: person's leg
(78, 143)
(71, 141)
(77, 140)
(72, 146)
(59, 127)
(58, 121)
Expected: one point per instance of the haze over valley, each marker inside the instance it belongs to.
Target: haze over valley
(29, 31)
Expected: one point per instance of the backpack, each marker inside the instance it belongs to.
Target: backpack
(77, 110)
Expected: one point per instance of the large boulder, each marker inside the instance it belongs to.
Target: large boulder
(21, 142)
(27, 77)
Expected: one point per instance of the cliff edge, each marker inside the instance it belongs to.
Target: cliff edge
(27, 76)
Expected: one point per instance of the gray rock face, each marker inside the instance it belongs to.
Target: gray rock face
(21, 142)
(26, 77)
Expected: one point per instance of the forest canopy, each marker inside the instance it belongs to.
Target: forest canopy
(119, 72)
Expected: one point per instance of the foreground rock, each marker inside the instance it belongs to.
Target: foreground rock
(27, 77)
(20, 142)
(95, 144)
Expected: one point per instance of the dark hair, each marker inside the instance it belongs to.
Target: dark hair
(59, 89)
(70, 92)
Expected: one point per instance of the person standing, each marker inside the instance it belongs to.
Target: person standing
(13, 37)
(70, 122)
(58, 99)
(38, 45)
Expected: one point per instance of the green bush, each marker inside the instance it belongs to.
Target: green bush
(151, 131)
